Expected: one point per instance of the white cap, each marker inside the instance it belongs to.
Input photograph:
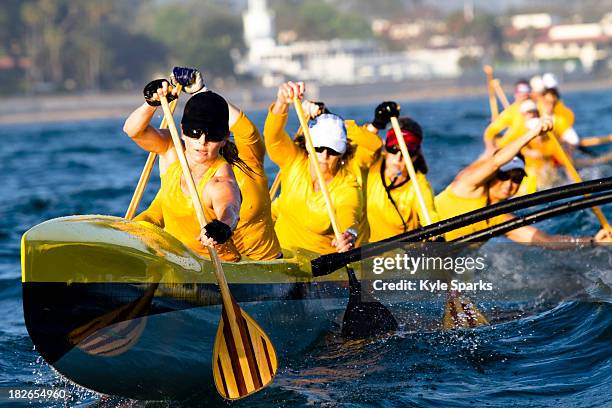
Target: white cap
(515, 163)
(537, 85)
(328, 130)
(550, 80)
(528, 106)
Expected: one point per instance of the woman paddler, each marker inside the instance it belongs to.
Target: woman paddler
(210, 157)
(491, 180)
(303, 222)
(510, 118)
(254, 236)
(392, 204)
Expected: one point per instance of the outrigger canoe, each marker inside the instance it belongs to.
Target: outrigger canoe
(123, 308)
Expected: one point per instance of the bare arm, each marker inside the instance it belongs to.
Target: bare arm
(533, 235)
(223, 195)
(475, 176)
(137, 126)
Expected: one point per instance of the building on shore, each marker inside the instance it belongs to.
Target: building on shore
(583, 47)
(336, 61)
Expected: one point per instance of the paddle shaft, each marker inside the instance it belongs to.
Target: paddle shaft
(148, 168)
(275, 186)
(492, 100)
(569, 166)
(226, 297)
(594, 161)
(596, 140)
(501, 94)
(410, 168)
(315, 164)
(587, 201)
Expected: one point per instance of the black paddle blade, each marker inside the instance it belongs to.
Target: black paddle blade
(364, 319)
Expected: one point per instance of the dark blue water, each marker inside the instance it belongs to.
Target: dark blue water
(559, 355)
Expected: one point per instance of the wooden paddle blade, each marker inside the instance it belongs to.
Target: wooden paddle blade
(231, 380)
(461, 312)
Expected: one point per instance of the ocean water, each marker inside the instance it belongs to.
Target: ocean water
(559, 355)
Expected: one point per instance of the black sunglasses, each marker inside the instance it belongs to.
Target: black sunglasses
(330, 151)
(210, 136)
(515, 177)
(392, 149)
(395, 148)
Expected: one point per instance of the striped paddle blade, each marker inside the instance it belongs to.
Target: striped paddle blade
(237, 377)
(461, 312)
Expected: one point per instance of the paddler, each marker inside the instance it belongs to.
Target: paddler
(303, 223)
(210, 156)
(540, 153)
(510, 118)
(550, 82)
(254, 236)
(552, 106)
(392, 205)
(366, 144)
(491, 180)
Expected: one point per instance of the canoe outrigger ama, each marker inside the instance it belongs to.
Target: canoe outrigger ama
(125, 309)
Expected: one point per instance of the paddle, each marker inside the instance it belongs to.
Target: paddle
(596, 140)
(244, 359)
(148, 167)
(594, 161)
(500, 93)
(329, 263)
(410, 168)
(459, 310)
(488, 70)
(537, 216)
(361, 319)
(569, 166)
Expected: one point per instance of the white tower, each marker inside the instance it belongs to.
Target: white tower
(258, 26)
(468, 10)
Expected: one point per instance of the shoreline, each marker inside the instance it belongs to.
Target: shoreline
(75, 108)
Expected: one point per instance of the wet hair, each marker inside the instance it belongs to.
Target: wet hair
(230, 154)
(300, 141)
(419, 162)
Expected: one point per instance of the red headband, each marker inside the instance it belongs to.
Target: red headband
(413, 142)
